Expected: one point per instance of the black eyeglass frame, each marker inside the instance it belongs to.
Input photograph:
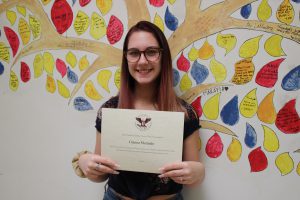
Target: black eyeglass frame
(160, 50)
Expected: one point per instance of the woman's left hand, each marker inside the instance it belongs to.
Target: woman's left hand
(186, 172)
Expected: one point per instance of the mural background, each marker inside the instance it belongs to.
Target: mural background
(235, 61)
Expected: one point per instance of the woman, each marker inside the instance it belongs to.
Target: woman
(146, 83)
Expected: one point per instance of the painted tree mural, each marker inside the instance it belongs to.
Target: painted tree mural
(75, 47)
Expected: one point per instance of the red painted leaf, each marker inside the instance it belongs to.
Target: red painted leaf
(258, 160)
(84, 2)
(25, 72)
(61, 67)
(268, 75)
(214, 146)
(157, 3)
(197, 106)
(114, 30)
(288, 120)
(61, 15)
(183, 64)
(13, 39)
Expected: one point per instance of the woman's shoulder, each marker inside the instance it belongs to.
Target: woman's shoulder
(190, 111)
(111, 103)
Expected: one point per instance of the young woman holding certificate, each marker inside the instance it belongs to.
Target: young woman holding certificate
(146, 84)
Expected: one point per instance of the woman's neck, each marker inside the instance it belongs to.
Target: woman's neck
(144, 97)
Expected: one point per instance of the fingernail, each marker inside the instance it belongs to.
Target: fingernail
(161, 176)
(117, 166)
(116, 172)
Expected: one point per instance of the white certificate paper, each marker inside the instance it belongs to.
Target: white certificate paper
(141, 140)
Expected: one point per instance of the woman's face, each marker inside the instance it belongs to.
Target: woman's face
(146, 69)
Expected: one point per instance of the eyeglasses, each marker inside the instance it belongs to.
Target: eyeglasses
(151, 54)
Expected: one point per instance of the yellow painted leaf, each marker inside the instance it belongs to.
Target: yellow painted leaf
(185, 83)
(218, 70)
(24, 31)
(91, 91)
(285, 12)
(63, 90)
(83, 63)
(118, 78)
(266, 110)
(244, 71)
(206, 51)
(50, 84)
(298, 169)
(13, 81)
(264, 11)
(211, 107)
(35, 26)
(104, 6)
(171, 1)
(45, 2)
(38, 65)
(98, 26)
(81, 22)
(193, 54)
(21, 10)
(234, 150)
(11, 16)
(273, 46)
(48, 63)
(226, 41)
(71, 59)
(271, 142)
(4, 52)
(103, 79)
(284, 163)
(250, 47)
(248, 106)
(159, 22)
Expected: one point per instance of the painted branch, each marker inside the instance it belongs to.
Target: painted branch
(137, 11)
(216, 127)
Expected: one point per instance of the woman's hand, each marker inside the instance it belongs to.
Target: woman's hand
(186, 172)
(96, 167)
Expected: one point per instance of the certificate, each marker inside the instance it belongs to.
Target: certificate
(141, 140)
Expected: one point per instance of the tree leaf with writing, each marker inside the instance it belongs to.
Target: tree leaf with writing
(61, 15)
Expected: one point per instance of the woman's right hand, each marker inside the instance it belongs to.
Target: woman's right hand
(96, 167)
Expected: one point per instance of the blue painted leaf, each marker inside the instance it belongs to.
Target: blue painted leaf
(72, 77)
(73, 2)
(246, 11)
(291, 82)
(176, 77)
(296, 1)
(251, 136)
(81, 104)
(230, 112)
(1, 68)
(170, 20)
(199, 72)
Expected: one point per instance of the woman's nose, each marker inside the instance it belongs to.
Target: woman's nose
(143, 58)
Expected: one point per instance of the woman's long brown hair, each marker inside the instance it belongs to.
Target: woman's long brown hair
(166, 98)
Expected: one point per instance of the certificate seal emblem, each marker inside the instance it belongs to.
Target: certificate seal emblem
(143, 122)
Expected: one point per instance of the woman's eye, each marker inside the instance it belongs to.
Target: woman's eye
(151, 52)
(134, 53)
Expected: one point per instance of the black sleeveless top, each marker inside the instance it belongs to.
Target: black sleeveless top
(139, 185)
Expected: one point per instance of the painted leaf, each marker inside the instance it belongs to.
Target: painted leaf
(21, 10)
(98, 26)
(183, 64)
(13, 81)
(91, 91)
(288, 120)
(244, 71)
(226, 41)
(103, 79)
(13, 39)
(1, 68)
(197, 106)
(170, 20)
(71, 59)
(271, 142)
(83, 63)
(61, 15)
(45, 2)
(258, 160)
(250, 47)
(211, 107)
(159, 22)
(24, 31)
(72, 76)
(11, 16)
(81, 23)
(206, 51)
(118, 78)
(63, 90)
(234, 150)
(273, 46)
(218, 70)
(176, 77)
(248, 105)
(83, 3)
(264, 11)
(266, 110)
(246, 11)
(61, 67)
(4, 53)
(38, 65)
(157, 3)
(285, 12)
(250, 136)
(35, 26)
(114, 30)
(25, 72)
(230, 112)
(291, 81)
(50, 84)
(193, 54)
(268, 74)
(214, 146)
(284, 163)
(81, 104)
(185, 83)
(104, 6)
(48, 63)
(199, 72)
